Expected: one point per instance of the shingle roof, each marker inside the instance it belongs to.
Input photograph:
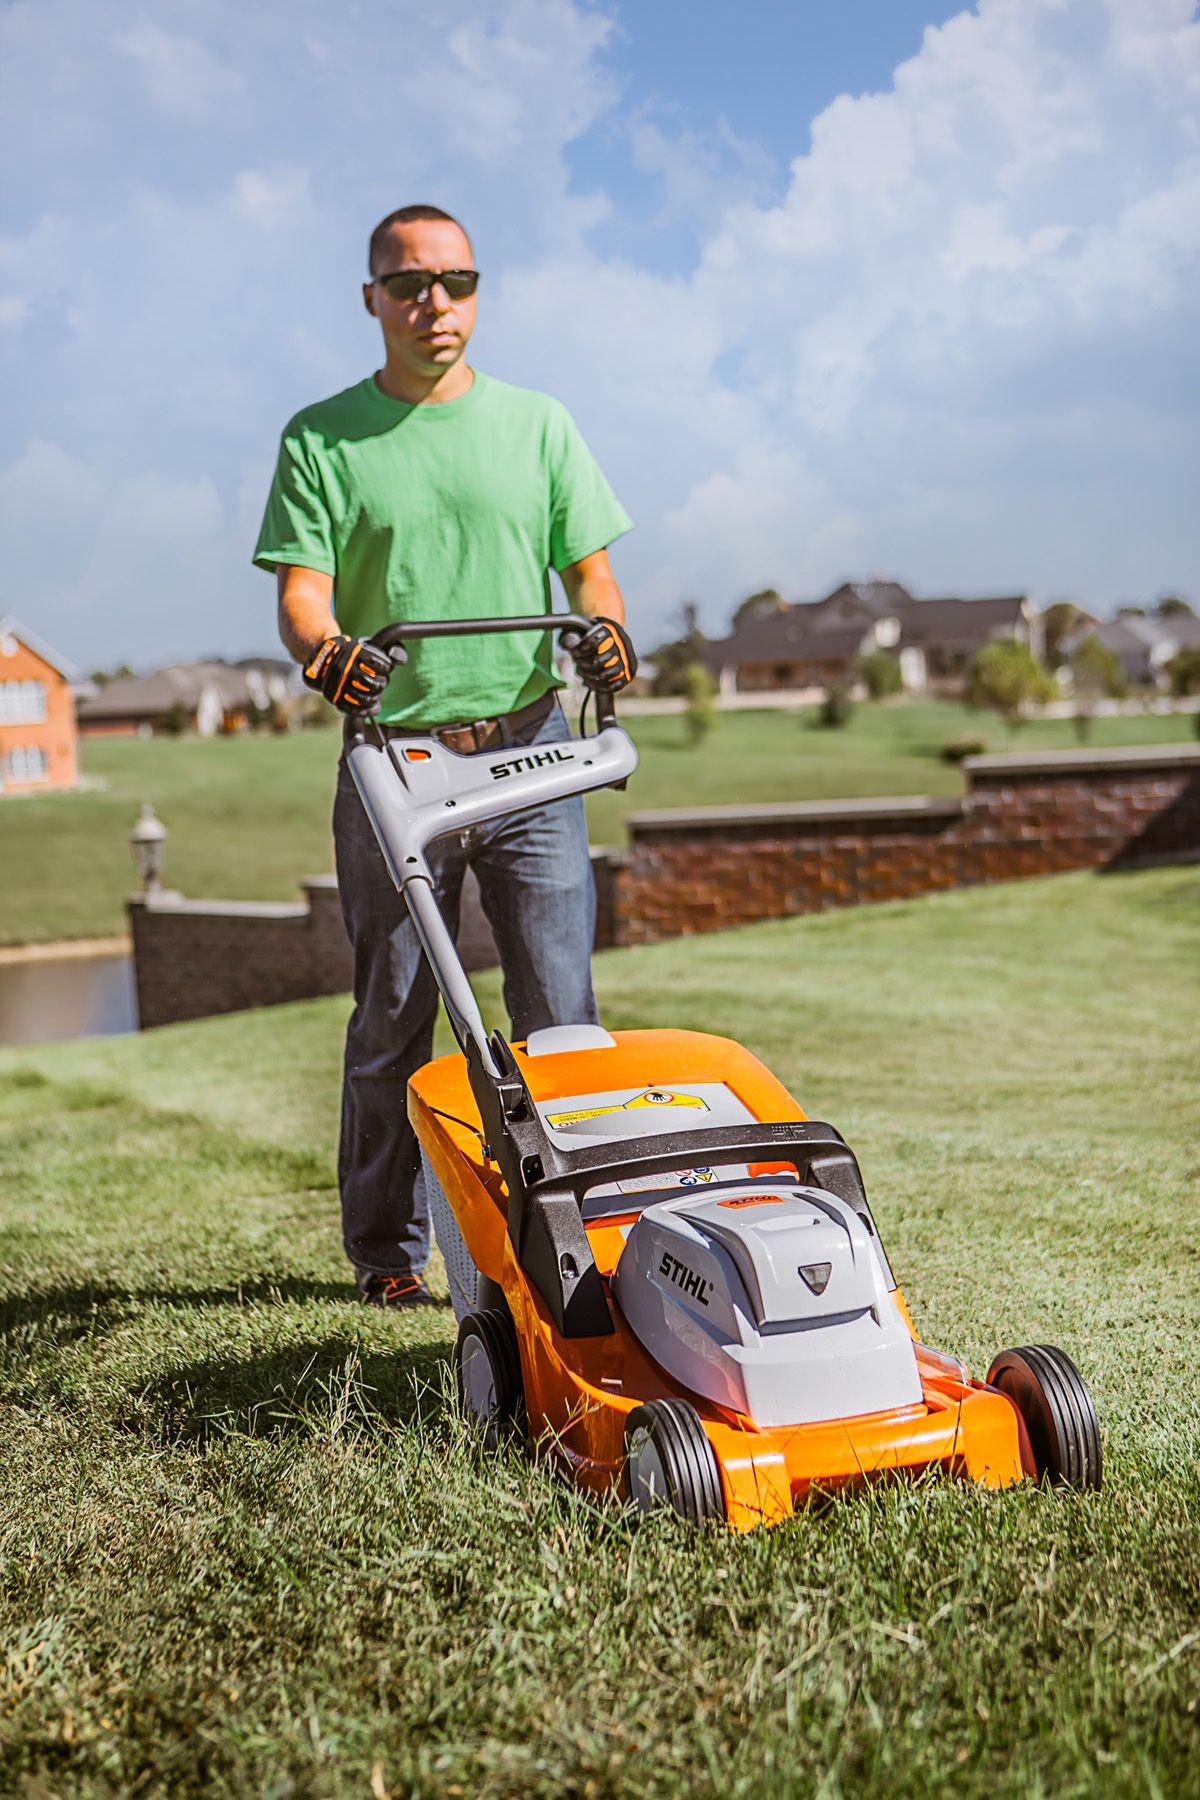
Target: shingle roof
(1180, 629)
(797, 634)
(152, 696)
(954, 621)
(884, 598)
(786, 637)
(12, 627)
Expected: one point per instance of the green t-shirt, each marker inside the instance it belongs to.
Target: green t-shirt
(439, 512)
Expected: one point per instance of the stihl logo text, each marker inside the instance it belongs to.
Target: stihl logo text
(539, 759)
(685, 1278)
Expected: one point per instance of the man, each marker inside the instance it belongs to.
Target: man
(430, 490)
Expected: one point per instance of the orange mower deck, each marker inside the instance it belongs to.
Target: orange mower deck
(579, 1391)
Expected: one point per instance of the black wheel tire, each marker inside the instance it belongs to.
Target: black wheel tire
(669, 1461)
(1053, 1400)
(487, 1372)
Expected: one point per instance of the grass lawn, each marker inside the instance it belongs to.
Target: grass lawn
(245, 1549)
(249, 817)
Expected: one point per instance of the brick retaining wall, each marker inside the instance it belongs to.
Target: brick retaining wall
(720, 866)
(195, 958)
(712, 867)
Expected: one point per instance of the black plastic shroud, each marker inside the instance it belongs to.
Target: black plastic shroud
(546, 1185)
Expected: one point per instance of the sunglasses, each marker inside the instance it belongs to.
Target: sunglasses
(418, 284)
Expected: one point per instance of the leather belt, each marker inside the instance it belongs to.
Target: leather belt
(481, 734)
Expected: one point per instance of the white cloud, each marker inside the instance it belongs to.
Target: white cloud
(973, 256)
(955, 346)
(770, 499)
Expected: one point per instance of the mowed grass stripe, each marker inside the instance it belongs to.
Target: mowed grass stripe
(246, 1549)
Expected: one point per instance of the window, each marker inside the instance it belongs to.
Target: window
(27, 763)
(22, 702)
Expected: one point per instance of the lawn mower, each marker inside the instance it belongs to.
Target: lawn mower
(662, 1269)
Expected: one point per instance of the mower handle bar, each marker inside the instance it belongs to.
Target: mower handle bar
(568, 625)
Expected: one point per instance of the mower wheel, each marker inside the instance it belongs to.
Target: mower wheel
(1053, 1401)
(487, 1368)
(669, 1461)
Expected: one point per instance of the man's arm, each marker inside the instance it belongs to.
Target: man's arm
(352, 676)
(305, 613)
(592, 588)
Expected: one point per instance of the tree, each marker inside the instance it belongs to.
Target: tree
(1184, 673)
(1006, 677)
(672, 659)
(1058, 622)
(1174, 606)
(763, 605)
(881, 674)
(1097, 670)
(102, 677)
(1098, 675)
(698, 687)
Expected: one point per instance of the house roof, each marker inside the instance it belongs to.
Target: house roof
(787, 637)
(1179, 629)
(798, 635)
(12, 627)
(883, 598)
(957, 622)
(152, 696)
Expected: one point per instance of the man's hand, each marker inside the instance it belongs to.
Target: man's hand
(604, 657)
(351, 675)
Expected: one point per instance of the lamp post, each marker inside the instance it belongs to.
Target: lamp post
(146, 843)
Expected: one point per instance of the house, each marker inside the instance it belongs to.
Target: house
(1143, 646)
(204, 697)
(820, 643)
(37, 714)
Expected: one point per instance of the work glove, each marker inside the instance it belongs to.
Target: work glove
(351, 675)
(604, 657)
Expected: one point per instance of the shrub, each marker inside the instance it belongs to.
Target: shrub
(698, 688)
(836, 707)
(881, 674)
(956, 750)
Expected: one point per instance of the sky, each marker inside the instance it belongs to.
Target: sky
(880, 288)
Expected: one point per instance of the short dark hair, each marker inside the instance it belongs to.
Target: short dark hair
(404, 215)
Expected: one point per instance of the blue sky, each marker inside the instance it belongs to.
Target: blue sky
(879, 287)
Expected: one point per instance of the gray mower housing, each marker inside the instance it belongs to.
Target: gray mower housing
(773, 1303)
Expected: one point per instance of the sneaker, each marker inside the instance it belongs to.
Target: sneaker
(396, 1292)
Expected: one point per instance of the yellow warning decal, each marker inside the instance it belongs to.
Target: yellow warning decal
(651, 1097)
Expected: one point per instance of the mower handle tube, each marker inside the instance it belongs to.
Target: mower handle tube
(570, 627)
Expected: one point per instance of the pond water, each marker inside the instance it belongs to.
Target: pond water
(66, 991)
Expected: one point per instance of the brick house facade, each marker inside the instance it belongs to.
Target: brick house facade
(37, 715)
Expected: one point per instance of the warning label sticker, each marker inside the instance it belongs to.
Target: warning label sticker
(657, 1097)
(669, 1178)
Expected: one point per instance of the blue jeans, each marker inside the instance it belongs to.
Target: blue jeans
(535, 882)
